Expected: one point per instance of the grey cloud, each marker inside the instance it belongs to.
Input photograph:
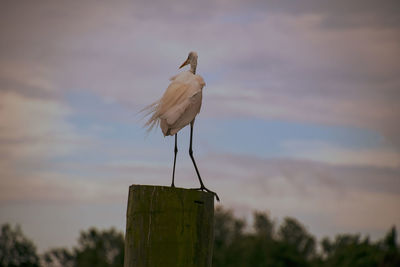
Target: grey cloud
(333, 62)
(340, 14)
(304, 172)
(112, 51)
(275, 50)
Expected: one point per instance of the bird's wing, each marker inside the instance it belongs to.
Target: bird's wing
(173, 94)
(185, 111)
(179, 95)
(176, 99)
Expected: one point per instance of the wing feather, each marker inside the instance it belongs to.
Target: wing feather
(179, 104)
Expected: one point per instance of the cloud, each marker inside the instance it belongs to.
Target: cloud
(27, 79)
(333, 63)
(339, 14)
(324, 152)
(32, 127)
(341, 190)
(268, 60)
(33, 133)
(327, 198)
(57, 188)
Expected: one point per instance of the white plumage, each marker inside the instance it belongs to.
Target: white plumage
(178, 107)
(181, 101)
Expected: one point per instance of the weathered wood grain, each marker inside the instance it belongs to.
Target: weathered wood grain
(168, 227)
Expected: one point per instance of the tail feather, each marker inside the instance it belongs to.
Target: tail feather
(154, 119)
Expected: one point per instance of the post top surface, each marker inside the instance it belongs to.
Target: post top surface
(135, 187)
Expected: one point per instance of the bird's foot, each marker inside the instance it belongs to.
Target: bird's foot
(203, 188)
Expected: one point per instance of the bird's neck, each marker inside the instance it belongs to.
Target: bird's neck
(193, 67)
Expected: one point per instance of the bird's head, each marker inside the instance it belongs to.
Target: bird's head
(191, 59)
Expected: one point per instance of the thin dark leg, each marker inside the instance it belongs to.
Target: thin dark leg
(176, 152)
(202, 187)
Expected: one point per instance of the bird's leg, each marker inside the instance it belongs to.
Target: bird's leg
(202, 187)
(175, 152)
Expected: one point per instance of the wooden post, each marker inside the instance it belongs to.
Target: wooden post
(168, 226)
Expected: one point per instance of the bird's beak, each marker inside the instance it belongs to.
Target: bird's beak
(185, 63)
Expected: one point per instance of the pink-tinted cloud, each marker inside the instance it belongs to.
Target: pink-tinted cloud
(274, 61)
(334, 63)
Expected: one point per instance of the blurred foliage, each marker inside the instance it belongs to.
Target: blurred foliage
(95, 248)
(351, 250)
(265, 243)
(104, 248)
(58, 257)
(291, 244)
(16, 249)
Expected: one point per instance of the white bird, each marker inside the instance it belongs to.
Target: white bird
(178, 107)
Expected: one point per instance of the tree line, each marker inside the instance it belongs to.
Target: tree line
(267, 244)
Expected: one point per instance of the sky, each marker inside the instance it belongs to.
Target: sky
(300, 113)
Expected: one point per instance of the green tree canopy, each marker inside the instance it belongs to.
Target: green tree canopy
(95, 248)
(264, 244)
(293, 233)
(100, 248)
(16, 249)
